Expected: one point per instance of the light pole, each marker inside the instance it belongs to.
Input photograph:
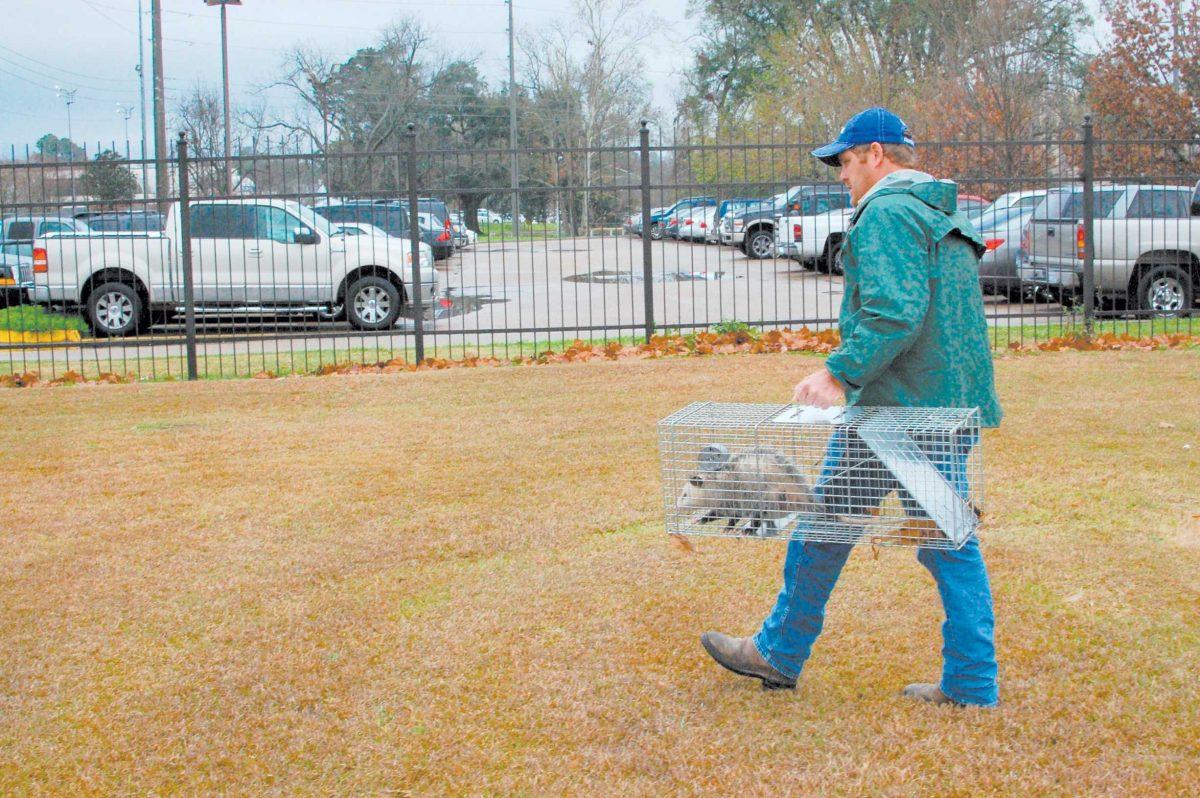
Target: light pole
(68, 96)
(141, 71)
(512, 126)
(225, 81)
(125, 111)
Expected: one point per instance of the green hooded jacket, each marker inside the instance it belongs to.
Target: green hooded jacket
(912, 322)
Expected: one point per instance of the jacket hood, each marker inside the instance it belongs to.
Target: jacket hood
(939, 200)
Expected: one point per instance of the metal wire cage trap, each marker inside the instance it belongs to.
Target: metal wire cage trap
(888, 475)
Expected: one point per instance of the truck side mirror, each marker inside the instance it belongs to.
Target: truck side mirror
(304, 235)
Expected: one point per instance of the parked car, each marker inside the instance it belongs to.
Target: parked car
(727, 206)
(1006, 204)
(249, 257)
(661, 222)
(726, 232)
(1001, 230)
(27, 228)
(757, 225)
(635, 221)
(16, 278)
(392, 218)
(813, 239)
(461, 230)
(484, 216)
(972, 203)
(696, 225)
(1027, 200)
(360, 229)
(1146, 246)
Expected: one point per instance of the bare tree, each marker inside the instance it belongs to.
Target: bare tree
(586, 78)
(200, 115)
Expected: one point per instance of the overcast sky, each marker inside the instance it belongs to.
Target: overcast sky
(91, 46)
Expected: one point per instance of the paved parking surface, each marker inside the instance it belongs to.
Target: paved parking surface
(565, 288)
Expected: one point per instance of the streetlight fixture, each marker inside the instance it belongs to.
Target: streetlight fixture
(68, 96)
(125, 111)
(225, 82)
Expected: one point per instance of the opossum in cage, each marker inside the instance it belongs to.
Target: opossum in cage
(749, 490)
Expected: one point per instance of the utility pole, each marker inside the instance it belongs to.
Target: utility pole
(162, 178)
(225, 83)
(141, 70)
(512, 125)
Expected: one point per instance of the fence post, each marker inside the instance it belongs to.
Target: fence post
(414, 240)
(647, 252)
(185, 248)
(1089, 249)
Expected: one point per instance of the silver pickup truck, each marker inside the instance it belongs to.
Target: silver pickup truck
(1146, 247)
(249, 257)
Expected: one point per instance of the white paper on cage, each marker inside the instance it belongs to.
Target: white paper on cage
(810, 414)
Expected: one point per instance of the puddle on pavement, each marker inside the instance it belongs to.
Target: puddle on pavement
(607, 277)
(690, 277)
(603, 277)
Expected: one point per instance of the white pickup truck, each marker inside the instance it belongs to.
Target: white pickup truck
(249, 257)
(1146, 250)
(813, 238)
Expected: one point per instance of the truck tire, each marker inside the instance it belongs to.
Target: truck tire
(828, 261)
(114, 309)
(1166, 290)
(761, 244)
(372, 303)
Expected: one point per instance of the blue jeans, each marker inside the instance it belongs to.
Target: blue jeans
(811, 570)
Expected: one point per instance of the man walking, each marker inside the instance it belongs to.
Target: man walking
(913, 334)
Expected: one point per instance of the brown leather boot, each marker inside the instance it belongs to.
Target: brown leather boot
(930, 693)
(739, 655)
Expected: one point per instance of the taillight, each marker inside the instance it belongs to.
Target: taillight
(444, 237)
(704, 225)
(1027, 240)
(447, 224)
(797, 232)
(40, 263)
(689, 221)
(993, 243)
(1080, 242)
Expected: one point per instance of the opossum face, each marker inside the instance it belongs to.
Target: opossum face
(701, 495)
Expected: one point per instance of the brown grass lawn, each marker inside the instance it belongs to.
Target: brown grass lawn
(457, 583)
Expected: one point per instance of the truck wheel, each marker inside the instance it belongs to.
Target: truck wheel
(829, 262)
(114, 310)
(372, 303)
(1166, 290)
(656, 232)
(761, 244)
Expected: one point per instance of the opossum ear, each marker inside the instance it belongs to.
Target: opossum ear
(714, 457)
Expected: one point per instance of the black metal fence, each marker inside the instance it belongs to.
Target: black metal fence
(297, 260)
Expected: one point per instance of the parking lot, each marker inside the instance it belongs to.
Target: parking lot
(537, 289)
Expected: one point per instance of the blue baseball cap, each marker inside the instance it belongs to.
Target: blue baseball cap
(873, 124)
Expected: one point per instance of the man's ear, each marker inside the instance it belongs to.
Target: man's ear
(877, 154)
